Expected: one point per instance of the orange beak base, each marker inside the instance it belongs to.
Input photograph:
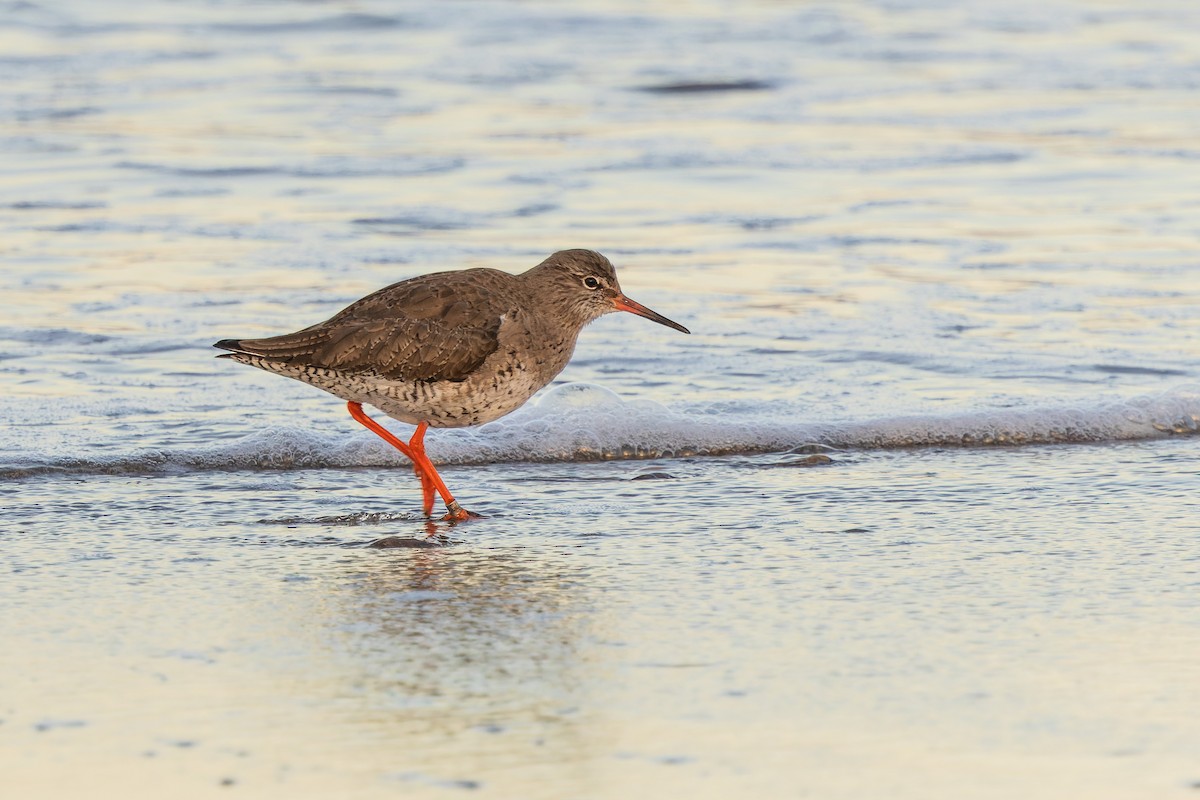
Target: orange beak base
(623, 303)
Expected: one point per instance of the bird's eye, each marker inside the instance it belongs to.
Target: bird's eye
(591, 282)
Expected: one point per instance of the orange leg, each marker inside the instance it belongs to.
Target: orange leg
(422, 462)
(427, 491)
(422, 466)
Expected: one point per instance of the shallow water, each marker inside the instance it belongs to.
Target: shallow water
(951, 247)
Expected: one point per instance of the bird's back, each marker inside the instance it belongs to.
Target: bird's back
(429, 328)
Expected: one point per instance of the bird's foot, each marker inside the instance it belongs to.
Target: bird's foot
(457, 513)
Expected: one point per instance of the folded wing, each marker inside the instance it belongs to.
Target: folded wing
(416, 330)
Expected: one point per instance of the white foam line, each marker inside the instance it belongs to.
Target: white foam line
(581, 422)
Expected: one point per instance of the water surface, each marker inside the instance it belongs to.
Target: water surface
(950, 247)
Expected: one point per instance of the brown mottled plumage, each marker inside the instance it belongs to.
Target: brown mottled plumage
(449, 349)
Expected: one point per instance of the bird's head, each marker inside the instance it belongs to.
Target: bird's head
(582, 284)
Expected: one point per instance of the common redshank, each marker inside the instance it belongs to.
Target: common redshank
(450, 349)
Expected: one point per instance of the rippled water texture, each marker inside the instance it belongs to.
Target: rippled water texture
(912, 513)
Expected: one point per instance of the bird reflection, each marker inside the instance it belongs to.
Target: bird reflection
(436, 535)
(461, 641)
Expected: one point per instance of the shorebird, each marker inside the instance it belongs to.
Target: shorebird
(449, 349)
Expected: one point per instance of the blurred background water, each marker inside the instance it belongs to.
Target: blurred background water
(951, 246)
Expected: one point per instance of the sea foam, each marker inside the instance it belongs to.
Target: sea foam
(584, 422)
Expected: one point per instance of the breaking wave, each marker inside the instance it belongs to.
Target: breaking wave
(583, 422)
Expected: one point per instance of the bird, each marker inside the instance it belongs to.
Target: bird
(448, 349)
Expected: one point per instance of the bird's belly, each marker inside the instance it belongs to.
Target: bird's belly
(454, 404)
(501, 385)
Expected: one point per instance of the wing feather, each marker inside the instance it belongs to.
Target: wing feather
(416, 330)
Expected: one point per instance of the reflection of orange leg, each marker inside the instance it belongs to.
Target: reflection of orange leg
(422, 466)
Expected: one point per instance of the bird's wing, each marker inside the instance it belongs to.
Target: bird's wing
(415, 330)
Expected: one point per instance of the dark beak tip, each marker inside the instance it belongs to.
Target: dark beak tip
(669, 323)
(623, 303)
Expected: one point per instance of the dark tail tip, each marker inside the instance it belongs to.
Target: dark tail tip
(229, 344)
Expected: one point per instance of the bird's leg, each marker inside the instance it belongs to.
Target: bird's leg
(427, 491)
(416, 444)
(357, 412)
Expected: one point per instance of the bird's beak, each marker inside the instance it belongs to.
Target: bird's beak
(623, 303)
